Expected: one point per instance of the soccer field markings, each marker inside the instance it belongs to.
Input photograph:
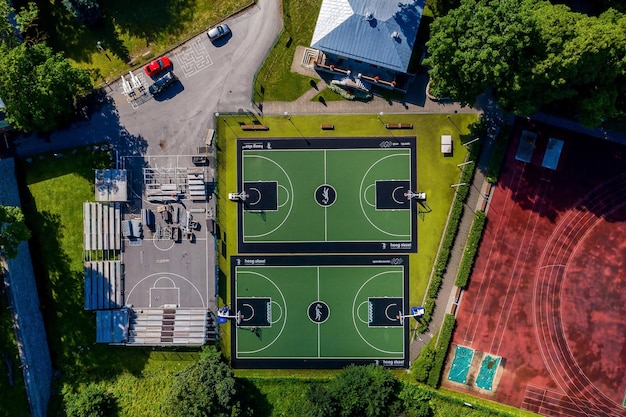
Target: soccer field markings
(292, 193)
(362, 197)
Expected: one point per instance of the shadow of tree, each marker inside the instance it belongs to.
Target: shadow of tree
(252, 400)
(584, 165)
(145, 19)
(96, 123)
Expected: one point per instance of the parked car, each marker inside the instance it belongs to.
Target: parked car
(162, 83)
(218, 32)
(157, 66)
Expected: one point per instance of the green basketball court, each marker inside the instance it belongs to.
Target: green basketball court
(319, 311)
(327, 195)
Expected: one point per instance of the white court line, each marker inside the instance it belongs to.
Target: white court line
(325, 208)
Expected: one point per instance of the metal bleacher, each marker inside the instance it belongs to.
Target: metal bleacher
(103, 285)
(101, 226)
(171, 327)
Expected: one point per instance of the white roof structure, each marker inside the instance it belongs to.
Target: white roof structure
(378, 32)
(111, 185)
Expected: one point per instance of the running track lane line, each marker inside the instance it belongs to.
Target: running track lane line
(518, 273)
(499, 230)
(578, 379)
(553, 345)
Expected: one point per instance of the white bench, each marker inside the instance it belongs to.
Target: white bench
(446, 144)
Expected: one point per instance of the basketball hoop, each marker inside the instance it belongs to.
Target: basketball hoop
(400, 317)
(239, 317)
(411, 195)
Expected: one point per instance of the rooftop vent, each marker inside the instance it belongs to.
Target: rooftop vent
(369, 16)
(395, 35)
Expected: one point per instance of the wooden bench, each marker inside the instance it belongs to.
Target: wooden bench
(484, 199)
(399, 125)
(457, 295)
(254, 127)
(328, 126)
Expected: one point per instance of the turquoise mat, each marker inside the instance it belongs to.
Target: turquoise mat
(461, 364)
(487, 372)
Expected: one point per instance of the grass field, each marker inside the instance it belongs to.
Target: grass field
(435, 174)
(54, 190)
(133, 33)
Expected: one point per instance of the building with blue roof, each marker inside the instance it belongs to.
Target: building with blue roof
(380, 33)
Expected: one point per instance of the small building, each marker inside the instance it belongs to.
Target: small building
(370, 39)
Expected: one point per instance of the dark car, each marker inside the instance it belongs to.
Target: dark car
(157, 66)
(218, 31)
(162, 83)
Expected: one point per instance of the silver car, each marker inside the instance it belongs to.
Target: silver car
(218, 31)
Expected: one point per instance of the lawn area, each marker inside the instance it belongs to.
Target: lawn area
(133, 33)
(53, 190)
(274, 81)
(435, 174)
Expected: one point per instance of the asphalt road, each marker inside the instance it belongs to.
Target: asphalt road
(213, 77)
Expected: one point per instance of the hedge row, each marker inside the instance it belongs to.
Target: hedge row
(471, 248)
(452, 229)
(499, 151)
(445, 336)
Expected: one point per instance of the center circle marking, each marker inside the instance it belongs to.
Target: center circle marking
(318, 312)
(325, 195)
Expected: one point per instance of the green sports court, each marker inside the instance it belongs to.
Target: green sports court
(327, 195)
(319, 311)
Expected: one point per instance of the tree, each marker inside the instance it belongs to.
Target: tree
(13, 230)
(51, 82)
(322, 402)
(482, 43)
(364, 391)
(416, 401)
(531, 53)
(207, 388)
(423, 364)
(12, 30)
(86, 11)
(93, 401)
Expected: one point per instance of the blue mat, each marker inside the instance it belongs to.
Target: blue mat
(461, 364)
(526, 146)
(487, 372)
(553, 153)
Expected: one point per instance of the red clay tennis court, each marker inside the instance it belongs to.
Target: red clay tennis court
(548, 290)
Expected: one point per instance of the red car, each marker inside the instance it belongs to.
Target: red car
(157, 66)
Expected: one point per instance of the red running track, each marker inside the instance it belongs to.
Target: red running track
(548, 290)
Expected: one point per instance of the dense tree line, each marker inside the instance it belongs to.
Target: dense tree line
(531, 53)
(13, 230)
(39, 87)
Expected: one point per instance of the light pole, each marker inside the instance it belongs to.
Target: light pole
(226, 123)
(453, 124)
(380, 117)
(458, 185)
(464, 163)
(295, 127)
